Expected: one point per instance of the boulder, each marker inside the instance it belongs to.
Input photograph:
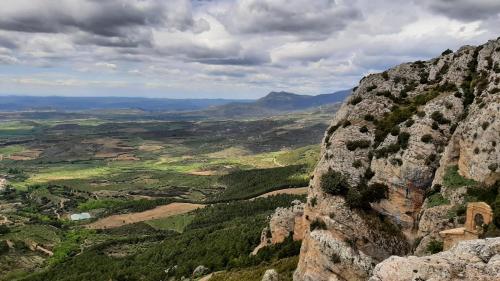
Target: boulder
(270, 275)
(200, 271)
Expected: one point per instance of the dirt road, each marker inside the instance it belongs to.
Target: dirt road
(294, 191)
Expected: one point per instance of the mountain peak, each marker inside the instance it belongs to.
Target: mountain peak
(280, 94)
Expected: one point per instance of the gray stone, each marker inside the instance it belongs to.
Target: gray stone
(200, 271)
(270, 275)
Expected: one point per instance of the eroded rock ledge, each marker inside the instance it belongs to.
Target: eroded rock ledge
(477, 260)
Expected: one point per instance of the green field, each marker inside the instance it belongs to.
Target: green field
(176, 223)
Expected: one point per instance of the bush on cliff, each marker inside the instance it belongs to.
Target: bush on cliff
(334, 183)
(361, 196)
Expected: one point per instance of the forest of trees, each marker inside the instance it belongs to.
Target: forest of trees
(220, 237)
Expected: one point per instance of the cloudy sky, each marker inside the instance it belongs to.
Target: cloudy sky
(223, 48)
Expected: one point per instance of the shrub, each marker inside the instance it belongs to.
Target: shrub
(453, 128)
(493, 167)
(346, 123)
(335, 258)
(377, 192)
(385, 151)
(476, 150)
(317, 224)
(403, 139)
(395, 131)
(430, 159)
(389, 95)
(314, 201)
(356, 100)
(397, 116)
(409, 123)
(435, 126)
(329, 133)
(438, 117)
(4, 229)
(446, 52)
(385, 75)
(396, 161)
(494, 91)
(419, 64)
(424, 77)
(485, 125)
(363, 129)
(357, 164)
(435, 247)
(453, 179)
(437, 200)
(426, 97)
(371, 88)
(369, 174)
(332, 129)
(421, 114)
(354, 199)
(334, 183)
(353, 145)
(4, 247)
(361, 196)
(426, 138)
(369, 117)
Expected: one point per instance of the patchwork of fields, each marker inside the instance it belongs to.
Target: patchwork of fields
(146, 177)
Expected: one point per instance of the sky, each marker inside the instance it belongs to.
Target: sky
(224, 48)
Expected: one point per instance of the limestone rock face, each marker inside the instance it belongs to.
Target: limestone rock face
(477, 260)
(418, 120)
(284, 222)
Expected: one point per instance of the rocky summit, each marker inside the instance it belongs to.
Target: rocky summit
(401, 160)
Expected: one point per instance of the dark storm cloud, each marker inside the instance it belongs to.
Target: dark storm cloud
(234, 61)
(7, 43)
(303, 18)
(131, 40)
(231, 54)
(105, 18)
(468, 10)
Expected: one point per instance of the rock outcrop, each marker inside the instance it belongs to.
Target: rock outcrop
(3, 184)
(200, 271)
(401, 132)
(270, 275)
(477, 260)
(283, 223)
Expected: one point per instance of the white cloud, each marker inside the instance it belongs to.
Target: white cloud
(106, 65)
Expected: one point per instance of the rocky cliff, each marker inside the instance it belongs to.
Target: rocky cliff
(282, 223)
(399, 160)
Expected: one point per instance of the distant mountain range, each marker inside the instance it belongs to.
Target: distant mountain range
(272, 104)
(276, 103)
(23, 103)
